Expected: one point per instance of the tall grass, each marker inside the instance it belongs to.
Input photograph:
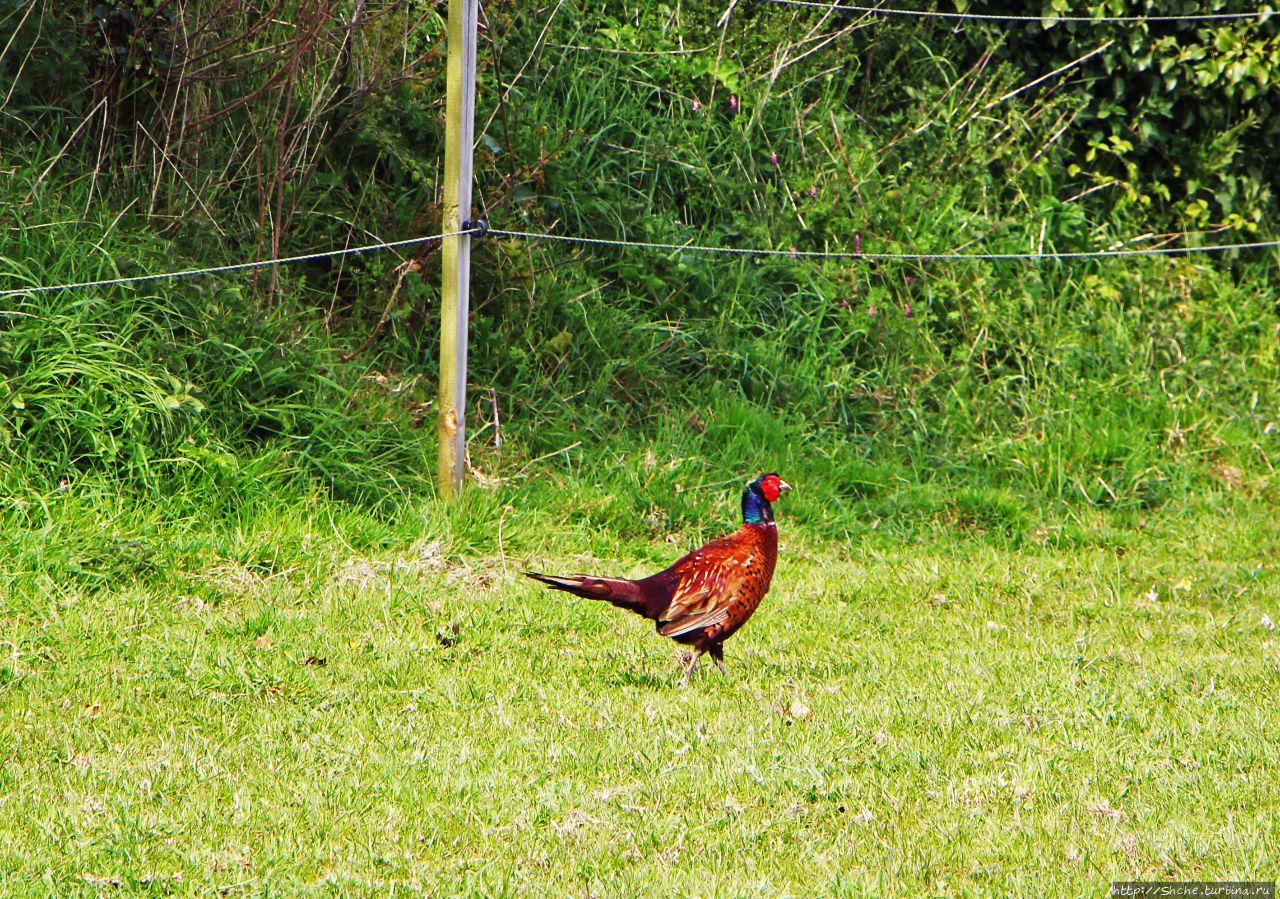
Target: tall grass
(185, 392)
(954, 391)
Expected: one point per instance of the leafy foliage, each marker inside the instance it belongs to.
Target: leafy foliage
(1181, 116)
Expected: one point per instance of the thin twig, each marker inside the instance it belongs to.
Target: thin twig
(63, 151)
(401, 270)
(1030, 84)
(213, 220)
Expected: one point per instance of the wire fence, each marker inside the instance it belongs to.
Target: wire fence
(1261, 15)
(481, 229)
(795, 253)
(233, 267)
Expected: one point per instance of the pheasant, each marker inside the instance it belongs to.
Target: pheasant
(707, 595)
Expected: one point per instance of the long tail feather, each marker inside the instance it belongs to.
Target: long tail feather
(620, 592)
(572, 584)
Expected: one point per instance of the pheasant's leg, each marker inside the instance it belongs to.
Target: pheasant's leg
(717, 655)
(693, 663)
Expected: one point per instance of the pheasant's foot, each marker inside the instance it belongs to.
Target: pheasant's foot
(688, 671)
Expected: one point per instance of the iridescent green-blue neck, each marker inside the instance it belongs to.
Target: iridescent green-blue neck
(755, 508)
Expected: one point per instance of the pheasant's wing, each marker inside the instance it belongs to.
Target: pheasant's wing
(709, 580)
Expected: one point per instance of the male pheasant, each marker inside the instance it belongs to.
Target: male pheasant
(707, 595)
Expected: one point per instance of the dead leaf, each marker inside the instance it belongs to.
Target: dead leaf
(577, 818)
(1104, 809)
(1231, 476)
(98, 881)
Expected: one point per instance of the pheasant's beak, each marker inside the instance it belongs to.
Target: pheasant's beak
(783, 486)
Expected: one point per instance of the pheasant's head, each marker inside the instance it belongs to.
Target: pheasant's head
(756, 499)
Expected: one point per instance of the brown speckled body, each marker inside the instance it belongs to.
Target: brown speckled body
(707, 595)
(704, 597)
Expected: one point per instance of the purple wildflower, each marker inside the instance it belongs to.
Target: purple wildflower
(773, 159)
(733, 102)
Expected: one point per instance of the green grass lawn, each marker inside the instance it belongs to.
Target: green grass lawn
(942, 713)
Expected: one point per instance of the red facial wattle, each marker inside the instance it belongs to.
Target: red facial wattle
(772, 486)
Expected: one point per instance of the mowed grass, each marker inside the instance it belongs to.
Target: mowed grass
(301, 715)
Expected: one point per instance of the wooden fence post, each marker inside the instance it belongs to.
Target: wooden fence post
(460, 104)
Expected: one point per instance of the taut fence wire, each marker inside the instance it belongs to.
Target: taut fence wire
(480, 229)
(889, 11)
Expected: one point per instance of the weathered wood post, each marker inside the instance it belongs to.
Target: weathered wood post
(460, 105)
